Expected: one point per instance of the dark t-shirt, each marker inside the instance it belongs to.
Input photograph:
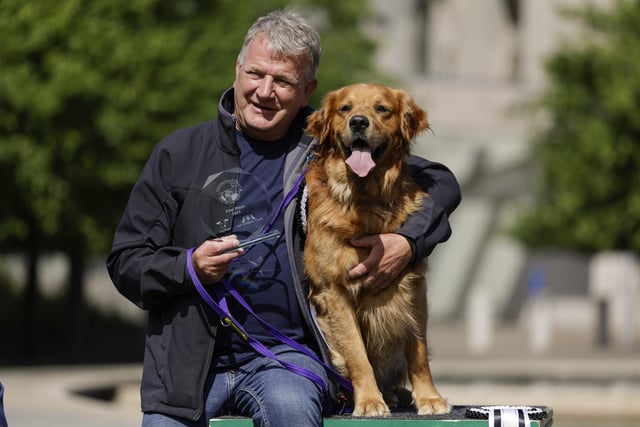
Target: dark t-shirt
(262, 275)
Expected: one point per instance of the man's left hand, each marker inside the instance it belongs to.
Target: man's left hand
(389, 254)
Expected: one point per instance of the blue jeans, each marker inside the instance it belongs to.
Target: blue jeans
(3, 419)
(261, 389)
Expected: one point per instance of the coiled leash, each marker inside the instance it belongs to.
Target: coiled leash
(227, 319)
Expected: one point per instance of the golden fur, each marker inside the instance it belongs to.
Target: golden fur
(376, 338)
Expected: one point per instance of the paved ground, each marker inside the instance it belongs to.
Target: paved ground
(45, 396)
(577, 381)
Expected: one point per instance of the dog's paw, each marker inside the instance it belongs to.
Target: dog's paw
(431, 406)
(371, 408)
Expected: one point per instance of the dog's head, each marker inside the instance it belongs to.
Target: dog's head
(367, 124)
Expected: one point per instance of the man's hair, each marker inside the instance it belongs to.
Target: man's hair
(289, 34)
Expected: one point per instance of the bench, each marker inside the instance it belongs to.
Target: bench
(456, 418)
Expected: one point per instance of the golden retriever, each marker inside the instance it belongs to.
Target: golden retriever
(358, 184)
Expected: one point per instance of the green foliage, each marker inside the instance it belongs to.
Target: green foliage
(346, 53)
(590, 152)
(88, 87)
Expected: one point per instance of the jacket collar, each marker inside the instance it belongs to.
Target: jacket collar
(227, 122)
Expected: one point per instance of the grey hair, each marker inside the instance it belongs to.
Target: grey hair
(289, 34)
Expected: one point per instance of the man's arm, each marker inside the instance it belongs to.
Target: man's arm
(391, 253)
(143, 263)
(430, 226)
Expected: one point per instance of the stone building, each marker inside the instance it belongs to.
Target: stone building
(472, 64)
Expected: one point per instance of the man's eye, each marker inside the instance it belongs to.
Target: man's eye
(283, 83)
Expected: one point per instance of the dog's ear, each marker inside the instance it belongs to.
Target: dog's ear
(319, 122)
(414, 118)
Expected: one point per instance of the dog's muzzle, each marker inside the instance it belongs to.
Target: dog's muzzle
(360, 158)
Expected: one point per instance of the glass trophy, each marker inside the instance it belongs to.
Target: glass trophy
(235, 202)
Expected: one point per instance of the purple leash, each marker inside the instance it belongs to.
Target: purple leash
(227, 319)
(285, 339)
(285, 201)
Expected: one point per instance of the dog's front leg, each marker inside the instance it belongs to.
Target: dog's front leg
(348, 351)
(426, 398)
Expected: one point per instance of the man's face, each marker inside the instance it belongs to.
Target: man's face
(269, 92)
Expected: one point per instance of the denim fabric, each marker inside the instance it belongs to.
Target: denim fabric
(3, 419)
(261, 389)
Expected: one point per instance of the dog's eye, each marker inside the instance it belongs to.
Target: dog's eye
(381, 109)
(345, 108)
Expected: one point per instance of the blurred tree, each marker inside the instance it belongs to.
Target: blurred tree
(88, 87)
(590, 152)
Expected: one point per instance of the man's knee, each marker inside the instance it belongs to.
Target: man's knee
(290, 407)
(304, 398)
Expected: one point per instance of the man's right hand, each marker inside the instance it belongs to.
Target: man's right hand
(211, 259)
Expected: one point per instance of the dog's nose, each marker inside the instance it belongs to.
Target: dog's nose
(357, 123)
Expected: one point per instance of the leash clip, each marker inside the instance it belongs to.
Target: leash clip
(226, 322)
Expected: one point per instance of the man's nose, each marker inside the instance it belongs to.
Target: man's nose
(265, 89)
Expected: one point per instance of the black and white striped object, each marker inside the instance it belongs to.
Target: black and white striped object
(507, 416)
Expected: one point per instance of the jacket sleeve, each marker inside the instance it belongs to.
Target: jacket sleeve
(430, 226)
(144, 263)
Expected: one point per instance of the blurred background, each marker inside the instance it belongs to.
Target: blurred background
(533, 104)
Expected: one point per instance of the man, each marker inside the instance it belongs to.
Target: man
(3, 418)
(204, 189)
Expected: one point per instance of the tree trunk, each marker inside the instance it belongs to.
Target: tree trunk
(75, 308)
(30, 300)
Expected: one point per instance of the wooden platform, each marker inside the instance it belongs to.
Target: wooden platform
(456, 418)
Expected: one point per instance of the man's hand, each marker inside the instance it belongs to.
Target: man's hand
(389, 255)
(210, 261)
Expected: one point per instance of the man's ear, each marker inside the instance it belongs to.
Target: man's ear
(309, 89)
(238, 71)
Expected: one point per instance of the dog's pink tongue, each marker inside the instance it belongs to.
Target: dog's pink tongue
(360, 161)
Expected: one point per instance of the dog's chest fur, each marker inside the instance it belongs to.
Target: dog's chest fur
(342, 208)
(351, 206)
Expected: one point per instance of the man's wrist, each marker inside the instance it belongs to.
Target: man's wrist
(412, 248)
